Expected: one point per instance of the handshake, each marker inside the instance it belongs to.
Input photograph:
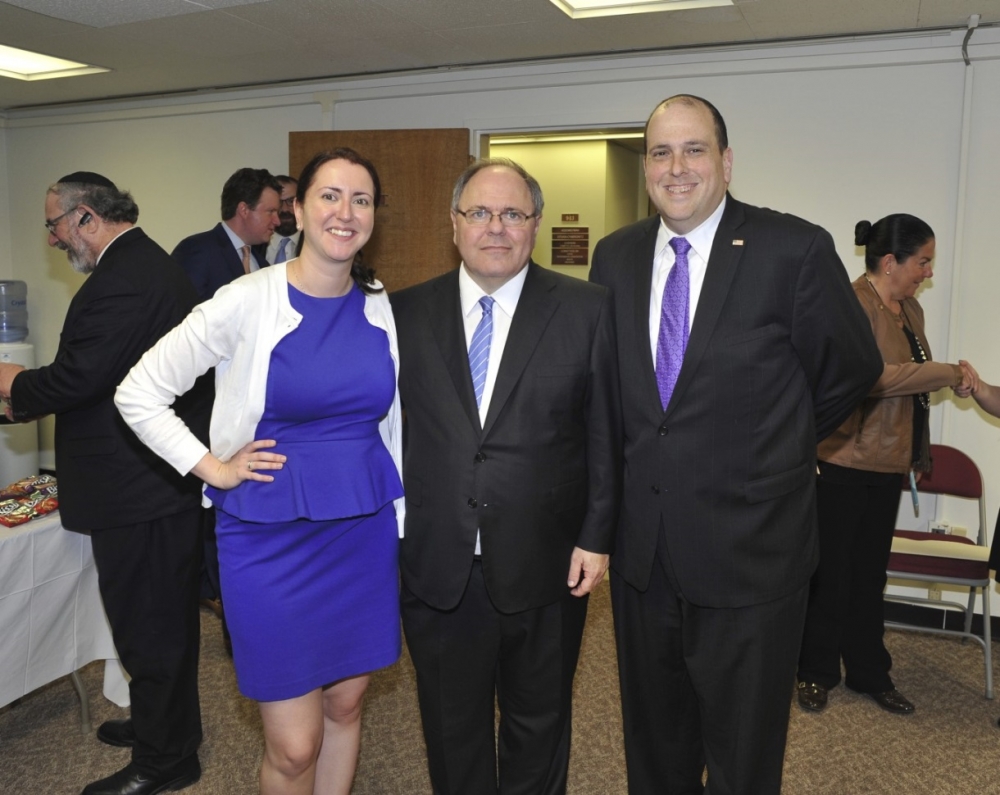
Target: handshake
(986, 395)
(970, 380)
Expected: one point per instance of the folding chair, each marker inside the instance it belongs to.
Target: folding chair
(950, 559)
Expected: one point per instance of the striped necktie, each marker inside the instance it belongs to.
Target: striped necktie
(479, 350)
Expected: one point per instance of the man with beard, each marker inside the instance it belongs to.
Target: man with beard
(250, 204)
(143, 517)
(284, 244)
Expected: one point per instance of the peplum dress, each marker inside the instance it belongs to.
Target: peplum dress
(308, 562)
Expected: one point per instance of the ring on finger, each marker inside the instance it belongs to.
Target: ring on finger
(250, 465)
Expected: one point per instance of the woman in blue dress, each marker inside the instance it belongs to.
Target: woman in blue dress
(303, 470)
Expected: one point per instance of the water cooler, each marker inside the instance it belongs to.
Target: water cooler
(18, 442)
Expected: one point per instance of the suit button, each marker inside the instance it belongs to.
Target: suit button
(480, 458)
(655, 489)
(663, 430)
(473, 503)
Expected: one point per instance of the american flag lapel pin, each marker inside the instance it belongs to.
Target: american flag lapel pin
(737, 242)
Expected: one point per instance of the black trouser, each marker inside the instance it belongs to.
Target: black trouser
(857, 516)
(703, 687)
(148, 575)
(467, 656)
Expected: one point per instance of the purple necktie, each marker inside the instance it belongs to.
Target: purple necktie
(673, 337)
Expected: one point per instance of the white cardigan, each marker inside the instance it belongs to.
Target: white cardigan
(235, 332)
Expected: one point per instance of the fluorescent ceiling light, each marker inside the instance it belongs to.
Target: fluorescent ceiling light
(582, 9)
(27, 65)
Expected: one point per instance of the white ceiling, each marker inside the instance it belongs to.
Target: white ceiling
(167, 46)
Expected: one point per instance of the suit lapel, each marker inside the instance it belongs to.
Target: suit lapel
(230, 256)
(449, 332)
(642, 263)
(722, 264)
(535, 308)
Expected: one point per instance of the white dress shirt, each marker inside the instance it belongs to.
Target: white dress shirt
(275, 243)
(235, 239)
(504, 303)
(700, 238)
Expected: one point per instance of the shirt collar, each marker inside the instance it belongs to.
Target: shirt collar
(700, 238)
(233, 236)
(506, 297)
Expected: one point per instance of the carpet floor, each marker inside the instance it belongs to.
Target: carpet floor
(951, 744)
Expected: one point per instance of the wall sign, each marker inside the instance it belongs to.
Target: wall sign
(570, 245)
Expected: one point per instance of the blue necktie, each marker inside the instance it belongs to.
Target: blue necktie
(479, 350)
(281, 256)
(673, 337)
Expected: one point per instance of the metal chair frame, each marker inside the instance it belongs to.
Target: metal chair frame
(953, 464)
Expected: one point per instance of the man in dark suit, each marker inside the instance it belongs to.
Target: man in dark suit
(250, 204)
(741, 345)
(509, 379)
(143, 517)
(212, 259)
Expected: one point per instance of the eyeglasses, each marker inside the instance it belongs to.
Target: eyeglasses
(52, 223)
(480, 216)
(289, 202)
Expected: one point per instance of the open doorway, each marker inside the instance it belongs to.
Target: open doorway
(593, 184)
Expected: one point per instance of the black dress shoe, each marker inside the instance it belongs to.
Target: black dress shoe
(892, 701)
(131, 781)
(812, 696)
(118, 733)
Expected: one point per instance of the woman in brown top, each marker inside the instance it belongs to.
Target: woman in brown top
(861, 470)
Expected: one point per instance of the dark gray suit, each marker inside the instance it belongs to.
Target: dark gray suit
(538, 478)
(717, 535)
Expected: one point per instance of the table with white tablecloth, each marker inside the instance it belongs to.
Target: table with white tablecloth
(52, 620)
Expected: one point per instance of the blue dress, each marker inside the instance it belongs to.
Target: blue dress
(308, 562)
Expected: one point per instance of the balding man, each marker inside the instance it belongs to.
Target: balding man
(511, 471)
(741, 344)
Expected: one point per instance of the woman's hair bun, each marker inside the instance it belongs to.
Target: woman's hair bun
(861, 232)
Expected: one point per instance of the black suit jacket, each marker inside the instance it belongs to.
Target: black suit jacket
(211, 261)
(542, 476)
(107, 477)
(779, 354)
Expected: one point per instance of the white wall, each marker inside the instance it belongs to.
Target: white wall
(834, 132)
(6, 266)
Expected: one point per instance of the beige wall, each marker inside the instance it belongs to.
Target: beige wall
(623, 184)
(596, 180)
(572, 177)
(6, 264)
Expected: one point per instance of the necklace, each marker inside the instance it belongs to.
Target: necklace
(916, 347)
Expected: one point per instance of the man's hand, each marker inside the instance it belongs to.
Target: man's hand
(585, 570)
(7, 375)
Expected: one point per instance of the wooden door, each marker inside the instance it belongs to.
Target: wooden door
(412, 240)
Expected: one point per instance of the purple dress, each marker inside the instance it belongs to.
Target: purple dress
(308, 563)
